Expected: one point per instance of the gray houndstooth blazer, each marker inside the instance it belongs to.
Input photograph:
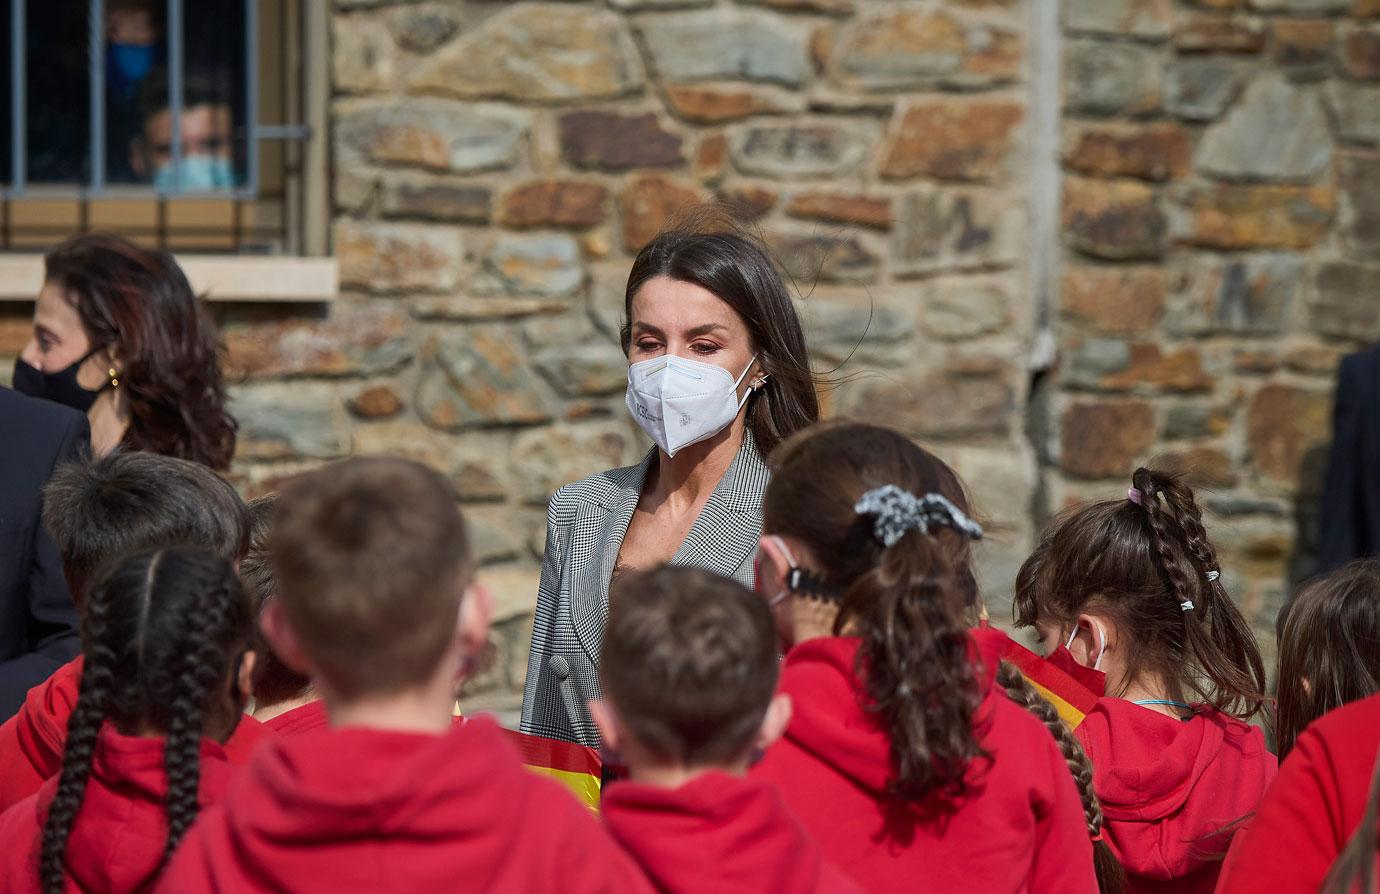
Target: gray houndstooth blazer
(585, 525)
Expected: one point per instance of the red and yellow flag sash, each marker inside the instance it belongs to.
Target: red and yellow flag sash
(576, 767)
(1070, 697)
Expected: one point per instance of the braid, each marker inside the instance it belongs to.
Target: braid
(1111, 878)
(83, 729)
(205, 658)
(1214, 633)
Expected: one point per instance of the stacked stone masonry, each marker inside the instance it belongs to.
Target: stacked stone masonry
(497, 165)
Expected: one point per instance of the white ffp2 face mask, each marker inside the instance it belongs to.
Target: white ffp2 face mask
(679, 402)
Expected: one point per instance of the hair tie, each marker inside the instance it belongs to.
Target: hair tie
(1213, 575)
(1186, 605)
(898, 511)
(1135, 496)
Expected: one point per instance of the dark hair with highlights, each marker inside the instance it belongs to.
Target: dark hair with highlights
(138, 304)
(1329, 636)
(1143, 565)
(97, 510)
(163, 634)
(713, 253)
(689, 663)
(274, 681)
(908, 602)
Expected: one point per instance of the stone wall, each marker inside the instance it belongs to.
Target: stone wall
(498, 165)
(1221, 224)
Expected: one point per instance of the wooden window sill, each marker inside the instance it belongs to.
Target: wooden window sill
(221, 278)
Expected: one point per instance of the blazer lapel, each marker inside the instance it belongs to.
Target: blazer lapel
(726, 533)
(598, 536)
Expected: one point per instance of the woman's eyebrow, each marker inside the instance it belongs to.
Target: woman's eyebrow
(647, 328)
(706, 329)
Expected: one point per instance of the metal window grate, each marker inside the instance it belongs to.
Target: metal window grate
(250, 214)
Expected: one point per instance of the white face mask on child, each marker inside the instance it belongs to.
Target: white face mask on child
(679, 402)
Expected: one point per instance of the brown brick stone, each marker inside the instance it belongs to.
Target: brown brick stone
(1348, 301)
(1361, 54)
(711, 158)
(952, 140)
(1232, 216)
(1148, 366)
(608, 141)
(1219, 34)
(940, 407)
(749, 202)
(1114, 219)
(702, 104)
(649, 203)
(1201, 466)
(1104, 439)
(1365, 8)
(866, 211)
(1282, 425)
(1302, 41)
(397, 257)
(554, 203)
(1158, 151)
(1255, 362)
(1315, 360)
(1115, 300)
(900, 48)
(376, 402)
(352, 341)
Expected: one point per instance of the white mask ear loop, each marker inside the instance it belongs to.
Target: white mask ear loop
(786, 551)
(738, 381)
(1101, 646)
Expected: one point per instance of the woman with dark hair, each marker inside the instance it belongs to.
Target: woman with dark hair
(718, 375)
(120, 336)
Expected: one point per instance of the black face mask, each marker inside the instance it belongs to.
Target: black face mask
(60, 387)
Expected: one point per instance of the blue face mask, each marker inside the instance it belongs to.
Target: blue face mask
(199, 173)
(129, 63)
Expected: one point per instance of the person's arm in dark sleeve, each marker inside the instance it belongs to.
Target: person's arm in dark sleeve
(52, 615)
(1337, 526)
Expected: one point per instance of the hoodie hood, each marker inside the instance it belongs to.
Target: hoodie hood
(117, 841)
(716, 832)
(829, 719)
(1173, 791)
(41, 724)
(303, 719)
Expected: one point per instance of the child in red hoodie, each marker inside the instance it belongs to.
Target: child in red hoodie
(98, 510)
(1128, 594)
(165, 633)
(904, 756)
(1317, 822)
(378, 603)
(688, 671)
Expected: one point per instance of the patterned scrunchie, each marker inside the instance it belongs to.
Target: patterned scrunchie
(898, 511)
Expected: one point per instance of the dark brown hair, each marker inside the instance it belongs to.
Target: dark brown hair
(907, 602)
(722, 259)
(274, 681)
(1149, 566)
(163, 634)
(1329, 636)
(689, 663)
(96, 510)
(1111, 877)
(139, 305)
(372, 557)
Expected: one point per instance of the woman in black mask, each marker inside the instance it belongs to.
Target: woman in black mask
(119, 335)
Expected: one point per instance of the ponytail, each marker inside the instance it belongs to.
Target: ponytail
(1215, 634)
(1111, 878)
(916, 665)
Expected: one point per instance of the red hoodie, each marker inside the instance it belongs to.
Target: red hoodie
(1019, 827)
(1173, 791)
(363, 810)
(32, 741)
(306, 718)
(718, 833)
(1312, 808)
(117, 839)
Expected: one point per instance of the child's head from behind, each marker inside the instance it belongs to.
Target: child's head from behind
(1133, 586)
(688, 670)
(372, 560)
(166, 637)
(274, 681)
(868, 530)
(1329, 647)
(100, 509)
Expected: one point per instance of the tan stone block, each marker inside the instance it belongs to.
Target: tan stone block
(649, 203)
(1115, 300)
(965, 140)
(376, 402)
(1282, 424)
(749, 202)
(554, 203)
(1104, 439)
(1302, 41)
(710, 162)
(716, 104)
(1114, 219)
(1361, 53)
(397, 257)
(1201, 466)
(1232, 216)
(1198, 33)
(1160, 151)
(845, 208)
(353, 340)
(1179, 370)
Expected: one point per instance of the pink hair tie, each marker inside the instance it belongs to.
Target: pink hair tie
(1135, 496)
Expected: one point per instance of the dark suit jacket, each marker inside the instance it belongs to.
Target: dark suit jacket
(38, 622)
(1350, 524)
(585, 524)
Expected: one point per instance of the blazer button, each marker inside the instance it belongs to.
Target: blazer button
(559, 666)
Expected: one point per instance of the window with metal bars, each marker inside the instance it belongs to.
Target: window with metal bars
(179, 124)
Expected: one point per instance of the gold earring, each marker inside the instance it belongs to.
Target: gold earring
(114, 380)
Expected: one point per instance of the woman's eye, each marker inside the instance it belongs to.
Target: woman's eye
(647, 346)
(704, 348)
